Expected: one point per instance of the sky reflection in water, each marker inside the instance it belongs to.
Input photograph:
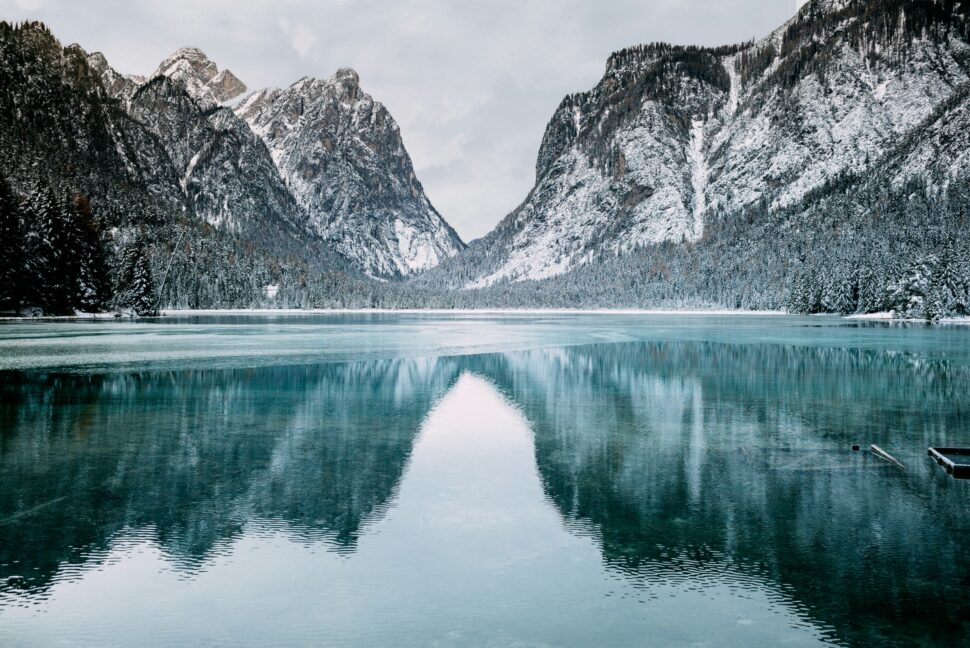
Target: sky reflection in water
(680, 484)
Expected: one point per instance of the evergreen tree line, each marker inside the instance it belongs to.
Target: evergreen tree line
(55, 257)
(845, 249)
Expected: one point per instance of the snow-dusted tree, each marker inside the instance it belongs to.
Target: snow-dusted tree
(93, 278)
(839, 293)
(51, 249)
(944, 293)
(11, 248)
(910, 293)
(134, 283)
(871, 289)
(805, 295)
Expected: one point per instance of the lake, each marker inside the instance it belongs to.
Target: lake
(413, 480)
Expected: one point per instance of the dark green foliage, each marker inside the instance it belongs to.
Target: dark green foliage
(134, 282)
(11, 248)
(51, 253)
(93, 292)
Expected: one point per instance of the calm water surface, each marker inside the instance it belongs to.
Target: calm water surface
(481, 480)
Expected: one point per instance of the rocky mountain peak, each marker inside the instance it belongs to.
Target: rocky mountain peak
(117, 85)
(347, 82)
(200, 76)
(825, 6)
(188, 61)
(341, 155)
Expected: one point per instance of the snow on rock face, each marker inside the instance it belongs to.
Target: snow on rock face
(117, 85)
(319, 162)
(621, 166)
(224, 171)
(341, 155)
(192, 69)
(672, 136)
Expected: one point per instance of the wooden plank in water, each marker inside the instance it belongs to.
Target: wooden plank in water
(955, 461)
(882, 454)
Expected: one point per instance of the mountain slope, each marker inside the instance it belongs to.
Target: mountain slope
(674, 138)
(58, 126)
(223, 170)
(73, 129)
(341, 154)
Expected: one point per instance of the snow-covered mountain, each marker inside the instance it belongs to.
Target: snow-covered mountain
(225, 174)
(341, 154)
(320, 158)
(674, 138)
(192, 69)
(162, 166)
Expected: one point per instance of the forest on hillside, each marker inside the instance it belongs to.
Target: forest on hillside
(845, 249)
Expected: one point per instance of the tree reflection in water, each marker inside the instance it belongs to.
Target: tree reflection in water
(683, 460)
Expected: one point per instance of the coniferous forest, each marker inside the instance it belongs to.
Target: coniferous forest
(98, 215)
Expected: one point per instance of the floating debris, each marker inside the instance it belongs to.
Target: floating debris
(882, 454)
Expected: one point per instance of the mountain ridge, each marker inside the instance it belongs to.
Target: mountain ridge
(673, 135)
(822, 168)
(328, 133)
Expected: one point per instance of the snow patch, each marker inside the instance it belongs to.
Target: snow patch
(184, 182)
(416, 251)
(699, 174)
(730, 66)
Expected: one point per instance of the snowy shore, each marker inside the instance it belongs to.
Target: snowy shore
(887, 316)
(463, 311)
(212, 312)
(174, 312)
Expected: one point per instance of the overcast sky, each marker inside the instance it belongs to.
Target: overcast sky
(472, 83)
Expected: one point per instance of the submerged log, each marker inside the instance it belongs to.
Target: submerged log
(882, 454)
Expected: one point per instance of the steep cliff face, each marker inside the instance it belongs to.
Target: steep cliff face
(320, 164)
(341, 155)
(674, 138)
(224, 171)
(225, 175)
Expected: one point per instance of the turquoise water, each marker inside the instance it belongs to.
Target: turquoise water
(481, 480)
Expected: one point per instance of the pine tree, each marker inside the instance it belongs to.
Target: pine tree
(838, 294)
(11, 248)
(943, 298)
(909, 295)
(93, 281)
(135, 285)
(51, 252)
(142, 292)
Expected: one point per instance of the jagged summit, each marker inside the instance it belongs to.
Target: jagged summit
(346, 75)
(341, 155)
(200, 76)
(824, 6)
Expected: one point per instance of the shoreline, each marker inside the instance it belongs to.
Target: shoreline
(464, 311)
(212, 312)
(887, 316)
(647, 312)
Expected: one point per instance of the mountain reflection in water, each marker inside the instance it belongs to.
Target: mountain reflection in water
(582, 495)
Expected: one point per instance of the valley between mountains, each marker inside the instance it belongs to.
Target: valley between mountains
(822, 168)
